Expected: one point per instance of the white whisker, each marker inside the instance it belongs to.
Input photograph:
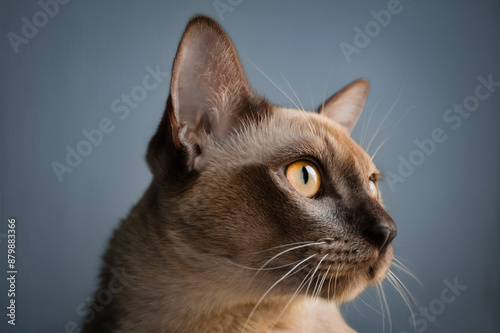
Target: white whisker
(402, 293)
(271, 288)
(293, 92)
(401, 284)
(387, 114)
(291, 249)
(371, 306)
(282, 246)
(402, 267)
(261, 269)
(299, 288)
(382, 309)
(313, 295)
(365, 132)
(311, 96)
(335, 280)
(267, 77)
(386, 307)
(329, 283)
(315, 270)
(323, 281)
(326, 86)
(381, 145)
(391, 135)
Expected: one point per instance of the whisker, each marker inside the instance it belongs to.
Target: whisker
(299, 288)
(312, 276)
(365, 132)
(402, 267)
(402, 293)
(311, 127)
(372, 307)
(386, 307)
(323, 281)
(411, 107)
(271, 288)
(313, 292)
(261, 269)
(291, 249)
(335, 280)
(381, 145)
(311, 96)
(329, 283)
(317, 281)
(382, 309)
(410, 274)
(281, 246)
(396, 279)
(153, 244)
(388, 113)
(391, 135)
(267, 77)
(326, 86)
(293, 91)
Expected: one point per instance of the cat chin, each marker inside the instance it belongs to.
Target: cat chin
(353, 284)
(378, 270)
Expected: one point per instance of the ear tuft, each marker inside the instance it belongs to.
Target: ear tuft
(346, 106)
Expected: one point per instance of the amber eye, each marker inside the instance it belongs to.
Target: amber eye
(373, 189)
(304, 177)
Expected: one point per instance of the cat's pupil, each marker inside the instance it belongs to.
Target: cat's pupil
(305, 174)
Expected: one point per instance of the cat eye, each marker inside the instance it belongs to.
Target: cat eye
(373, 189)
(304, 177)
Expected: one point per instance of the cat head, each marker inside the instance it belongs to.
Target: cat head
(251, 194)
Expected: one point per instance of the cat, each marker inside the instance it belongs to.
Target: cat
(259, 218)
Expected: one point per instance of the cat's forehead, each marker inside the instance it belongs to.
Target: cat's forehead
(285, 134)
(328, 139)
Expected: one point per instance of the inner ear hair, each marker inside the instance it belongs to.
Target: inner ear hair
(208, 82)
(346, 106)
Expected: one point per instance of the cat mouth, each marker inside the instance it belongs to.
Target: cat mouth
(373, 265)
(378, 270)
(344, 281)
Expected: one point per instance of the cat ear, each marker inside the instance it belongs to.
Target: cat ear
(346, 106)
(207, 91)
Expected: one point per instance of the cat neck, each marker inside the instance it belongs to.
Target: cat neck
(184, 300)
(179, 300)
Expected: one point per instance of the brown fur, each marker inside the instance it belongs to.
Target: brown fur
(220, 207)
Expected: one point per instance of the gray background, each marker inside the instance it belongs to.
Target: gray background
(65, 78)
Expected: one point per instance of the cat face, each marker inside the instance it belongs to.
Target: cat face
(263, 200)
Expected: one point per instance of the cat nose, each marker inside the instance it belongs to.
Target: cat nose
(382, 235)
